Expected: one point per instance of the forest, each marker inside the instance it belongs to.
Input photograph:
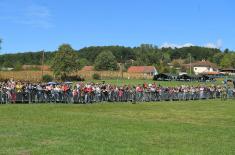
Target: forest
(145, 54)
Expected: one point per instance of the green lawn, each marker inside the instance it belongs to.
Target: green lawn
(181, 128)
(163, 83)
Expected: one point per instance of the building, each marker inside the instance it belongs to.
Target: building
(214, 74)
(148, 70)
(88, 68)
(203, 66)
(6, 69)
(229, 71)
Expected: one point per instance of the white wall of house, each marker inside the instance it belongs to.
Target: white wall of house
(154, 72)
(199, 70)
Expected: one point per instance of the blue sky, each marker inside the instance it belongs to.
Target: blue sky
(32, 25)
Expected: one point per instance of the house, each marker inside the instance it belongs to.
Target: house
(88, 68)
(229, 71)
(203, 66)
(6, 69)
(214, 74)
(148, 70)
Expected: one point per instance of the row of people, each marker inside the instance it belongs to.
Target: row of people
(25, 92)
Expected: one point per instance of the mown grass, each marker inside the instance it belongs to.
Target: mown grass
(181, 128)
(148, 81)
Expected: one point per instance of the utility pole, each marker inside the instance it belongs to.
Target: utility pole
(190, 59)
(42, 68)
(122, 67)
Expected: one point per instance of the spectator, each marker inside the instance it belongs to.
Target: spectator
(12, 92)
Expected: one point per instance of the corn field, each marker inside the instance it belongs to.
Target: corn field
(36, 76)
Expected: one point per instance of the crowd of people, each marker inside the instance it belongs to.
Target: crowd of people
(25, 92)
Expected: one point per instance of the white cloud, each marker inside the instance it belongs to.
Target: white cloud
(170, 45)
(34, 15)
(218, 44)
(37, 16)
(38, 11)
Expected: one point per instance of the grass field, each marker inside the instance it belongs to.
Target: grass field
(162, 83)
(166, 128)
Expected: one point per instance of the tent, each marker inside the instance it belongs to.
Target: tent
(52, 83)
(164, 77)
(184, 77)
(205, 78)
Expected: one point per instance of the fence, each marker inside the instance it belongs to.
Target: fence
(42, 96)
(114, 74)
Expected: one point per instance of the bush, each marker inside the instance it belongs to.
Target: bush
(96, 76)
(47, 78)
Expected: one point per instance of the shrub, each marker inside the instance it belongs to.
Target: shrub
(47, 78)
(96, 76)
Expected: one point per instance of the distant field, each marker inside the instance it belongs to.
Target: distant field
(36, 75)
(167, 128)
(108, 77)
(162, 83)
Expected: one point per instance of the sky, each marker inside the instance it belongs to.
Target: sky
(33, 25)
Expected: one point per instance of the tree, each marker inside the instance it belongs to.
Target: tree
(145, 54)
(163, 68)
(17, 66)
(226, 61)
(106, 61)
(217, 58)
(166, 57)
(226, 51)
(84, 62)
(177, 63)
(8, 64)
(65, 61)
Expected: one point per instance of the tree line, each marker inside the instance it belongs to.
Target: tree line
(107, 57)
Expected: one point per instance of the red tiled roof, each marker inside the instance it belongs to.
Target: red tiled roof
(202, 64)
(212, 73)
(88, 68)
(141, 69)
